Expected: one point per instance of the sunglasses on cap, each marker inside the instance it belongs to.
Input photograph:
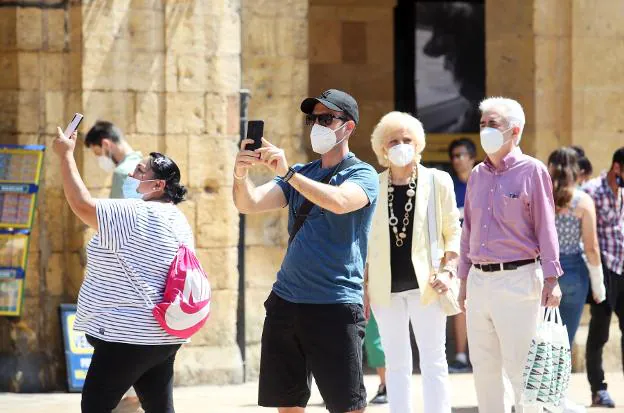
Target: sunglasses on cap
(324, 119)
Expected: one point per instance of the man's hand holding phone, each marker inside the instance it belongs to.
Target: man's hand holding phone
(257, 150)
(247, 157)
(273, 157)
(245, 160)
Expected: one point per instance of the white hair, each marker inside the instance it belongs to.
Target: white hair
(509, 109)
(396, 122)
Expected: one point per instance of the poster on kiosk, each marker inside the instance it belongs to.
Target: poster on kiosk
(20, 171)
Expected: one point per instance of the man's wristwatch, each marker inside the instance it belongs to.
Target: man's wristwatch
(289, 174)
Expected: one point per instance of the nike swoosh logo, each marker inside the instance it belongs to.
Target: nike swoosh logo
(177, 319)
(196, 290)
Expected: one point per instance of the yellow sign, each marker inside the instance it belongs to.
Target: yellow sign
(11, 290)
(77, 340)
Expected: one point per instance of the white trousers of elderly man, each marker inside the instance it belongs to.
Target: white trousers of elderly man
(502, 314)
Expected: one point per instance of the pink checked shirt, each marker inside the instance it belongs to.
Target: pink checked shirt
(509, 215)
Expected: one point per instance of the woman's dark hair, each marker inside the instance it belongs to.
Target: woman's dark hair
(580, 152)
(164, 168)
(585, 166)
(564, 169)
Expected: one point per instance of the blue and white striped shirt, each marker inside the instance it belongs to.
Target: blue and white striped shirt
(112, 303)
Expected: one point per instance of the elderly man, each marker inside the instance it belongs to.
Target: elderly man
(509, 261)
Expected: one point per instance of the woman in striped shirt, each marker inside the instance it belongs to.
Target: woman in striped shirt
(127, 266)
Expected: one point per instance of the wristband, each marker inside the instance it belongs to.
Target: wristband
(291, 172)
(239, 177)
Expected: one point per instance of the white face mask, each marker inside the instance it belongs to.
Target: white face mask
(324, 138)
(492, 139)
(106, 163)
(401, 154)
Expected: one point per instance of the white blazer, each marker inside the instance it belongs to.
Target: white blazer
(448, 227)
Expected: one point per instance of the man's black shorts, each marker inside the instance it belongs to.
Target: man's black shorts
(301, 340)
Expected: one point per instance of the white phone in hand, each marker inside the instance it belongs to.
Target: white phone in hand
(73, 125)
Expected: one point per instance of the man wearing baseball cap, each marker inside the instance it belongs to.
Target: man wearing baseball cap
(314, 322)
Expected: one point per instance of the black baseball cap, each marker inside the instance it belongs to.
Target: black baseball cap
(333, 99)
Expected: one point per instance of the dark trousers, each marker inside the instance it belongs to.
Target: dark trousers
(599, 328)
(115, 367)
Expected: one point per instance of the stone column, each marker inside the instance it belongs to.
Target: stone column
(352, 48)
(275, 69)
(597, 78)
(39, 79)
(202, 82)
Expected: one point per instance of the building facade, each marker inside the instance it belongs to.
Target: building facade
(169, 74)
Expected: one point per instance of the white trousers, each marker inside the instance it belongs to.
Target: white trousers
(503, 309)
(429, 325)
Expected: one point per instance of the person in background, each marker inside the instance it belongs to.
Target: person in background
(463, 155)
(376, 358)
(113, 152)
(575, 221)
(130, 347)
(399, 273)
(509, 262)
(585, 166)
(606, 191)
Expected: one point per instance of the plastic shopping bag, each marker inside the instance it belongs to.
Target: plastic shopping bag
(548, 366)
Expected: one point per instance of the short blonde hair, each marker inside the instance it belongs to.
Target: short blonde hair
(391, 123)
(509, 109)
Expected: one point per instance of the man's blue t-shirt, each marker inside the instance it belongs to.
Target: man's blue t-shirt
(460, 196)
(324, 264)
(460, 191)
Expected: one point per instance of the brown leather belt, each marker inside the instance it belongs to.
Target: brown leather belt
(500, 266)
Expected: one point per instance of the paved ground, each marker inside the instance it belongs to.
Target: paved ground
(242, 398)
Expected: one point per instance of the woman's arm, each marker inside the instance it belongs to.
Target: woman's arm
(78, 197)
(451, 228)
(451, 231)
(592, 249)
(588, 229)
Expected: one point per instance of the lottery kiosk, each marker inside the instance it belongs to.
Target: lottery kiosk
(20, 171)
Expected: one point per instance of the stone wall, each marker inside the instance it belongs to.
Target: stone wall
(38, 78)
(597, 79)
(168, 74)
(275, 70)
(351, 48)
(559, 58)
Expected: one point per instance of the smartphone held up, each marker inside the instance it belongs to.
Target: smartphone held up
(73, 125)
(255, 131)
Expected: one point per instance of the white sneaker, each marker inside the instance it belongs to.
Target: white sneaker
(570, 407)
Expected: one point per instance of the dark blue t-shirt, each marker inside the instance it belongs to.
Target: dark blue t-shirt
(324, 264)
(460, 196)
(460, 191)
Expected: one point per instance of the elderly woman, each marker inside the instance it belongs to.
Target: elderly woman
(128, 261)
(399, 272)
